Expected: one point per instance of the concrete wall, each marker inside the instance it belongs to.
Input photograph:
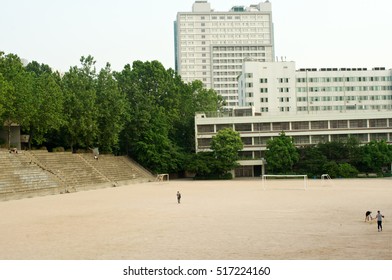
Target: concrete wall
(15, 136)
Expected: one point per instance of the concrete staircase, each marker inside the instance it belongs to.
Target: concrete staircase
(31, 173)
(118, 168)
(19, 176)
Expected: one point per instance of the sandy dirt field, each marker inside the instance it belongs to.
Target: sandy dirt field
(235, 219)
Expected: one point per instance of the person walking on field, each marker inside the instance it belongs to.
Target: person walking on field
(379, 220)
(178, 197)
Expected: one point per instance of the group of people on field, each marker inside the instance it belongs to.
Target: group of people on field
(368, 214)
(379, 217)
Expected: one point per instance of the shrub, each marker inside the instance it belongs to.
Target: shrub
(346, 170)
(58, 149)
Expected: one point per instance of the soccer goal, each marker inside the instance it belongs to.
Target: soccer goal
(326, 180)
(162, 178)
(285, 181)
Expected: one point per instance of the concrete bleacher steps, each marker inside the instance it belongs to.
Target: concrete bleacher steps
(20, 177)
(31, 173)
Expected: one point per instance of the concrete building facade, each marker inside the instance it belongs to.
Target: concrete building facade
(305, 129)
(278, 88)
(211, 46)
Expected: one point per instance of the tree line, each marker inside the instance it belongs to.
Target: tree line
(144, 110)
(343, 159)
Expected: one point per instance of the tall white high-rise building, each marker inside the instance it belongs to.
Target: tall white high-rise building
(211, 46)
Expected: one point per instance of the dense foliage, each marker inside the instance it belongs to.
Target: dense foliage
(145, 110)
(338, 159)
(281, 154)
(221, 160)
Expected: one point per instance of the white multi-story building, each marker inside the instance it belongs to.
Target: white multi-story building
(211, 46)
(311, 106)
(277, 88)
(305, 129)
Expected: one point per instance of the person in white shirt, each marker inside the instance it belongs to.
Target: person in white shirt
(379, 218)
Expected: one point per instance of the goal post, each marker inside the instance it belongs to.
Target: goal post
(270, 180)
(162, 177)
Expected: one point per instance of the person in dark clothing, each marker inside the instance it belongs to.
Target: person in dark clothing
(379, 218)
(178, 197)
(368, 216)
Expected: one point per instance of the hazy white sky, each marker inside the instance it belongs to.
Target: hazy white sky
(314, 33)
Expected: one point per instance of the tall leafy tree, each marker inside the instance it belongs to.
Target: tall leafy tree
(80, 110)
(281, 154)
(48, 102)
(193, 98)
(225, 146)
(152, 107)
(3, 91)
(111, 106)
(311, 161)
(335, 151)
(17, 95)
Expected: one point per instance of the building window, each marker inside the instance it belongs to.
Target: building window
(264, 90)
(283, 80)
(246, 141)
(204, 142)
(378, 136)
(262, 126)
(339, 124)
(280, 126)
(378, 123)
(300, 125)
(319, 125)
(301, 140)
(223, 126)
(205, 128)
(319, 139)
(243, 127)
(358, 123)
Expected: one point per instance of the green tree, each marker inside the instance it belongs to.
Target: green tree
(17, 95)
(311, 162)
(3, 91)
(80, 110)
(152, 109)
(332, 169)
(225, 146)
(376, 155)
(111, 106)
(193, 98)
(47, 101)
(281, 154)
(346, 170)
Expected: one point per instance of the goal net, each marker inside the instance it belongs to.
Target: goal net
(285, 181)
(162, 178)
(326, 180)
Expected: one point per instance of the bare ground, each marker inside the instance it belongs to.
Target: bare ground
(235, 219)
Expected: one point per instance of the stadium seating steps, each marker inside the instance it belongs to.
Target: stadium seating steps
(38, 172)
